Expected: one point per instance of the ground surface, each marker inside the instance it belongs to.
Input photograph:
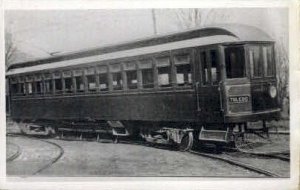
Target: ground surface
(280, 167)
(83, 158)
(35, 154)
(11, 150)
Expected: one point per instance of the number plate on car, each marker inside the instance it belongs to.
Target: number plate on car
(239, 99)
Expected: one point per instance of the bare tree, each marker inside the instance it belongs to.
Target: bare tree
(190, 18)
(282, 67)
(10, 49)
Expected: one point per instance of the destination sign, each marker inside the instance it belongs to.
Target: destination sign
(239, 99)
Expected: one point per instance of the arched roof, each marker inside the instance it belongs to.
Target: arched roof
(244, 32)
(213, 34)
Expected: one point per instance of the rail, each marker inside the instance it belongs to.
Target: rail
(52, 161)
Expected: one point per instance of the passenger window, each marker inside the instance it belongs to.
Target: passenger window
(214, 66)
(58, 86)
(38, 84)
(78, 74)
(14, 86)
(103, 81)
(39, 87)
(58, 83)
(29, 87)
(91, 79)
(131, 74)
(14, 89)
(255, 61)
(21, 86)
(48, 86)
(68, 81)
(204, 64)
(79, 84)
(22, 89)
(117, 80)
(183, 69)
(235, 62)
(68, 85)
(164, 71)
(48, 83)
(147, 73)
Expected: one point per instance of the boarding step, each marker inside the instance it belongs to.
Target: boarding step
(215, 135)
(118, 129)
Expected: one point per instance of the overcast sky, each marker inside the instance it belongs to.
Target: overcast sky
(38, 32)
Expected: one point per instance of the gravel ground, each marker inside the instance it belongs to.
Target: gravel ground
(275, 143)
(82, 158)
(35, 154)
(11, 149)
(279, 143)
(282, 168)
(107, 159)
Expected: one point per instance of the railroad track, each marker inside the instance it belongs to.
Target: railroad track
(255, 147)
(277, 155)
(16, 154)
(224, 159)
(237, 163)
(52, 161)
(284, 157)
(281, 155)
(208, 155)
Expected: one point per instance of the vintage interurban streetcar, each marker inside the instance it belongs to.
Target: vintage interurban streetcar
(177, 88)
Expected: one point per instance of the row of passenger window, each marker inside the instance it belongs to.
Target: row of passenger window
(142, 74)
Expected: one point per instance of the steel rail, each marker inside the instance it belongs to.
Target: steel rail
(228, 160)
(281, 155)
(16, 154)
(54, 160)
(237, 163)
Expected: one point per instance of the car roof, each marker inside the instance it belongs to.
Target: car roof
(201, 36)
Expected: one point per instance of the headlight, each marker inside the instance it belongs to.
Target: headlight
(272, 91)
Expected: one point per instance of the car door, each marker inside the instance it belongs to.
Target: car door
(208, 89)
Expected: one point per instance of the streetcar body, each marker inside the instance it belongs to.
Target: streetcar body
(212, 76)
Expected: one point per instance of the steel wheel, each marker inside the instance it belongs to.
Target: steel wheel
(186, 142)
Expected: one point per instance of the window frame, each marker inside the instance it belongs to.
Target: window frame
(90, 72)
(133, 70)
(29, 82)
(78, 73)
(67, 74)
(180, 52)
(57, 75)
(14, 80)
(246, 75)
(208, 60)
(102, 72)
(152, 69)
(250, 48)
(171, 81)
(38, 79)
(272, 60)
(112, 74)
(48, 77)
